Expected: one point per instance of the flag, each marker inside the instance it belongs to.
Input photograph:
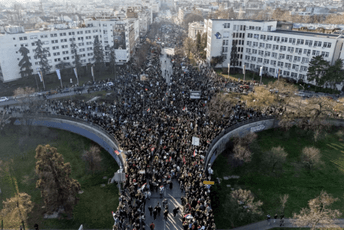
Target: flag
(243, 69)
(148, 110)
(40, 76)
(152, 149)
(146, 89)
(92, 71)
(261, 71)
(76, 73)
(184, 108)
(117, 153)
(143, 186)
(58, 74)
(194, 153)
(188, 216)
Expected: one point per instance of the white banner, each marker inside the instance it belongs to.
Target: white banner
(195, 141)
(92, 71)
(76, 73)
(261, 71)
(40, 76)
(58, 74)
(243, 69)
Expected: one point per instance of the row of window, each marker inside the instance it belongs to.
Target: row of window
(278, 63)
(273, 71)
(291, 40)
(308, 52)
(61, 34)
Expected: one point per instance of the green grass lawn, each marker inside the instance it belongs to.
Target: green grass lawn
(301, 184)
(95, 204)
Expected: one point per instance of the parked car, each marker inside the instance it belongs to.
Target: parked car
(3, 99)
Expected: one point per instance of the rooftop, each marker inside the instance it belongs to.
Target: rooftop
(243, 20)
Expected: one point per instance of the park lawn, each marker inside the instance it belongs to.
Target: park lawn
(96, 203)
(301, 184)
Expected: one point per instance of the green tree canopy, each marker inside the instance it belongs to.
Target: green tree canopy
(317, 70)
(57, 188)
(24, 63)
(98, 54)
(42, 54)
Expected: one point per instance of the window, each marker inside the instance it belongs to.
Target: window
(295, 67)
(276, 39)
(57, 59)
(71, 33)
(281, 56)
(94, 31)
(299, 41)
(65, 52)
(258, 28)
(81, 44)
(272, 70)
(284, 39)
(261, 45)
(90, 54)
(254, 51)
(290, 49)
(280, 64)
(224, 49)
(249, 35)
(55, 47)
(81, 50)
(262, 36)
(319, 44)
(287, 65)
(226, 25)
(283, 48)
(269, 38)
(63, 40)
(256, 36)
(89, 48)
(292, 40)
(315, 43)
(57, 53)
(267, 54)
(266, 61)
(294, 75)
(255, 44)
(268, 46)
(273, 62)
(297, 58)
(286, 73)
(261, 52)
(251, 27)
(303, 68)
(72, 39)
(303, 77)
(274, 55)
(305, 60)
(54, 41)
(63, 34)
(325, 54)
(80, 32)
(53, 35)
(298, 50)
(225, 42)
(269, 28)
(247, 57)
(260, 59)
(64, 46)
(33, 37)
(275, 47)
(252, 66)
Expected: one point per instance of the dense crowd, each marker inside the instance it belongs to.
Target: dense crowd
(154, 122)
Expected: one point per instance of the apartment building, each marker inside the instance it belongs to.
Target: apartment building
(261, 44)
(123, 34)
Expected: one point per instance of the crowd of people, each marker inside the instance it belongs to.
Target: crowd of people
(154, 121)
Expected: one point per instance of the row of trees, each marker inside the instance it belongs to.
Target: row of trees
(41, 54)
(196, 47)
(58, 189)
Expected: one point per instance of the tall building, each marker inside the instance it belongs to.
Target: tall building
(123, 34)
(261, 44)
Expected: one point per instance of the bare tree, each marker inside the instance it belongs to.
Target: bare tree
(275, 157)
(243, 204)
(318, 215)
(93, 158)
(242, 153)
(283, 200)
(311, 157)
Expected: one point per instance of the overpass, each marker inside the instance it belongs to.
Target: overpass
(78, 126)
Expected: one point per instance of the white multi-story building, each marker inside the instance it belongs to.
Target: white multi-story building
(123, 34)
(260, 44)
(194, 29)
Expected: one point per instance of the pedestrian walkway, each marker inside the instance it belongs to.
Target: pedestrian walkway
(262, 225)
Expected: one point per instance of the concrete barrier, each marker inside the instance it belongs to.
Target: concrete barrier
(86, 129)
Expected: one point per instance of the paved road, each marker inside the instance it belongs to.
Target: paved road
(173, 196)
(262, 225)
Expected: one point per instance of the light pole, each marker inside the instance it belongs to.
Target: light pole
(2, 221)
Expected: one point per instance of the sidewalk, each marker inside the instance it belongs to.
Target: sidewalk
(262, 225)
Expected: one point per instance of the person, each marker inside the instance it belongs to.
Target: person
(175, 211)
(155, 212)
(150, 208)
(268, 217)
(282, 220)
(158, 208)
(36, 226)
(276, 216)
(152, 226)
(166, 214)
(149, 194)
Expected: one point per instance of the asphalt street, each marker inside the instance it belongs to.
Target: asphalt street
(173, 196)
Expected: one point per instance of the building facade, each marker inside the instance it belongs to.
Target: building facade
(261, 44)
(194, 29)
(123, 34)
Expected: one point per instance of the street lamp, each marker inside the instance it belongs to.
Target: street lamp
(2, 222)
